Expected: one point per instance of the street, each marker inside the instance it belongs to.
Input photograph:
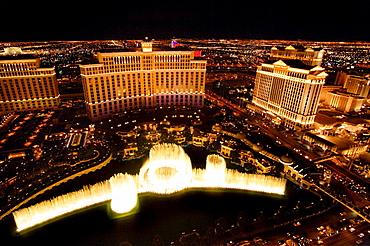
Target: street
(309, 226)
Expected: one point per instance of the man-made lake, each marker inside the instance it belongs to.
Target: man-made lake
(165, 215)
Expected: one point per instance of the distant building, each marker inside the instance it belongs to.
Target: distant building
(335, 144)
(24, 85)
(127, 80)
(340, 79)
(351, 96)
(357, 85)
(344, 101)
(12, 50)
(309, 56)
(290, 90)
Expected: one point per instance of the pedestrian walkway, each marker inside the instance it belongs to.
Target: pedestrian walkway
(250, 144)
(344, 204)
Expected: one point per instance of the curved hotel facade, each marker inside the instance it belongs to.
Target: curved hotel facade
(127, 80)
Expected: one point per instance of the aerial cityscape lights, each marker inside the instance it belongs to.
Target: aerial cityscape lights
(168, 170)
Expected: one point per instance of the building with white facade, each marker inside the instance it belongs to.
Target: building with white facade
(351, 93)
(290, 90)
(357, 85)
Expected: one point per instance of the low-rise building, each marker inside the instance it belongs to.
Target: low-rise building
(175, 128)
(130, 150)
(336, 144)
(225, 151)
(294, 172)
(344, 101)
(200, 141)
(262, 166)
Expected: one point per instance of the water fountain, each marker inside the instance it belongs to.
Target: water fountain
(167, 170)
(215, 174)
(123, 193)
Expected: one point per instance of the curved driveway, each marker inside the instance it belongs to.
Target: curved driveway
(86, 171)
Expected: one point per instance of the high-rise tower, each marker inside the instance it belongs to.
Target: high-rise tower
(290, 90)
(135, 79)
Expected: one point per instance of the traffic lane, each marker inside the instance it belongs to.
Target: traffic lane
(352, 196)
(308, 226)
(223, 102)
(349, 238)
(289, 142)
(345, 173)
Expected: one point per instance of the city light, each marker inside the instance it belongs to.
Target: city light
(297, 110)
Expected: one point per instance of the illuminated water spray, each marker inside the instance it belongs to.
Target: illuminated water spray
(123, 193)
(167, 170)
(215, 174)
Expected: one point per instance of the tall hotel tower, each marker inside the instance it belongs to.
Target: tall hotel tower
(24, 85)
(127, 80)
(290, 90)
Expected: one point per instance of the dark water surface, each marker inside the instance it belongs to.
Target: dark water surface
(168, 215)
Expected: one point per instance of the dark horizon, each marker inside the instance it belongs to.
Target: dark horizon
(288, 20)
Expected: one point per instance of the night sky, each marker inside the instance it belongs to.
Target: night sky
(321, 20)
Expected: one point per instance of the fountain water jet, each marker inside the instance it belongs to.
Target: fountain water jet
(215, 171)
(168, 170)
(123, 193)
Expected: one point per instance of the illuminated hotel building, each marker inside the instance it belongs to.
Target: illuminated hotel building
(358, 85)
(353, 94)
(309, 56)
(24, 85)
(127, 80)
(289, 90)
(343, 101)
(354, 84)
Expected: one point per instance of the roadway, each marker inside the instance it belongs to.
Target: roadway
(55, 184)
(308, 157)
(346, 173)
(222, 102)
(349, 238)
(308, 229)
